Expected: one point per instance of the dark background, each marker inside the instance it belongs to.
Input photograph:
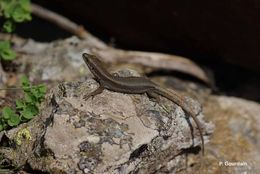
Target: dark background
(220, 35)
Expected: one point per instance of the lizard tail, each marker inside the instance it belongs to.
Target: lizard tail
(179, 100)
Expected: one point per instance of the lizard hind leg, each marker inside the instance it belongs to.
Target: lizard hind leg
(99, 90)
(153, 96)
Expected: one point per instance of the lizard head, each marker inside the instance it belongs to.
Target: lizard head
(94, 65)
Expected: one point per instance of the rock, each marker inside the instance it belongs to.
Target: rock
(123, 133)
(234, 146)
(110, 133)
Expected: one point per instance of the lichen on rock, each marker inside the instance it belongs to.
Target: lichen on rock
(109, 133)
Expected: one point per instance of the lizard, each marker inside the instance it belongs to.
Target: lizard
(134, 85)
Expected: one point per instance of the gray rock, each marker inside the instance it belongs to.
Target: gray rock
(110, 133)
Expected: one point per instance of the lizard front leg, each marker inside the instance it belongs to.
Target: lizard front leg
(99, 90)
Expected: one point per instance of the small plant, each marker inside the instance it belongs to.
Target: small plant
(6, 52)
(26, 108)
(13, 11)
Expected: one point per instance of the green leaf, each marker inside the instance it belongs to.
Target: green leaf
(25, 82)
(9, 8)
(14, 120)
(4, 45)
(7, 113)
(19, 104)
(2, 126)
(25, 4)
(19, 14)
(29, 98)
(35, 91)
(8, 54)
(29, 112)
(5, 51)
(3, 4)
(42, 89)
(17, 10)
(38, 92)
(8, 26)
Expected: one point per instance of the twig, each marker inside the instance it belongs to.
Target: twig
(155, 60)
(12, 88)
(59, 20)
(2, 75)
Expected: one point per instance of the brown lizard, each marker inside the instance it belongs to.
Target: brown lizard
(134, 85)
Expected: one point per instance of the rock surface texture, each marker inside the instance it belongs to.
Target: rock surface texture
(110, 133)
(123, 133)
